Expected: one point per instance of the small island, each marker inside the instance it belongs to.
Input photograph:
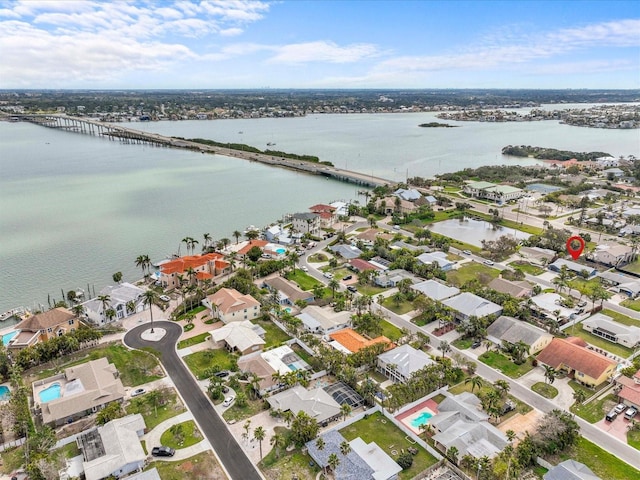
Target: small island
(551, 153)
(436, 125)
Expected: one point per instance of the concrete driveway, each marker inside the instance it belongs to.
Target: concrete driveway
(565, 393)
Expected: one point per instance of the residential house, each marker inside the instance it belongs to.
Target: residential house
(549, 305)
(613, 277)
(631, 289)
(614, 255)
(281, 359)
(537, 255)
(410, 195)
(346, 251)
(327, 214)
(391, 278)
(120, 297)
(402, 362)
(628, 389)
(438, 258)
(42, 327)
(288, 293)
(81, 390)
(114, 449)
(316, 403)
(363, 462)
(229, 305)
(574, 267)
(492, 191)
(205, 266)
(511, 330)
(392, 204)
(242, 337)
(306, 223)
(468, 305)
(584, 365)
(277, 234)
(570, 470)
(431, 200)
(323, 321)
(607, 162)
(359, 265)
(248, 245)
(435, 290)
(613, 173)
(350, 341)
(515, 289)
(461, 423)
(605, 327)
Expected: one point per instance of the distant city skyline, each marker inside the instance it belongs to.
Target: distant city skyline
(319, 44)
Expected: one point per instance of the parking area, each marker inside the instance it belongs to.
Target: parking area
(617, 428)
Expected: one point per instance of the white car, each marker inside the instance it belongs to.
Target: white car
(328, 275)
(228, 401)
(138, 391)
(488, 262)
(304, 268)
(165, 298)
(466, 252)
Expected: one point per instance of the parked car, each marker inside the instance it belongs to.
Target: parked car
(488, 262)
(228, 401)
(582, 304)
(621, 407)
(466, 252)
(165, 298)
(163, 451)
(225, 389)
(630, 413)
(476, 344)
(396, 227)
(304, 268)
(352, 289)
(328, 275)
(222, 374)
(611, 416)
(138, 391)
(348, 277)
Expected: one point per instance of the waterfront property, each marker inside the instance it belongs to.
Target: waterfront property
(306, 223)
(41, 327)
(605, 327)
(79, 391)
(205, 267)
(419, 415)
(492, 191)
(125, 299)
(229, 305)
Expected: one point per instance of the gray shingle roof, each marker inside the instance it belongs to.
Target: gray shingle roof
(513, 331)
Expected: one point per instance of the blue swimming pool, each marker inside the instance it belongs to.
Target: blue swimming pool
(292, 367)
(8, 336)
(421, 419)
(4, 393)
(50, 393)
(281, 251)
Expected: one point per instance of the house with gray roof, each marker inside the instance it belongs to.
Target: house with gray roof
(537, 255)
(572, 267)
(288, 293)
(346, 251)
(306, 223)
(316, 403)
(363, 462)
(113, 449)
(323, 321)
(391, 278)
(511, 330)
(606, 327)
(461, 423)
(410, 194)
(438, 258)
(243, 337)
(570, 470)
(435, 290)
(120, 295)
(402, 362)
(517, 289)
(631, 289)
(468, 305)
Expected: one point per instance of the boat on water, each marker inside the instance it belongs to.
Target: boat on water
(270, 144)
(18, 312)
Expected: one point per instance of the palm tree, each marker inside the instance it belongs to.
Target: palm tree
(444, 347)
(105, 301)
(131, 307)
(259, 434)
(278, 442)
(110, 314)
(333, 461)
(78, 310)
(149, 297)
(579, 396)
(143, 262)
(549, 374)
(502, 387)
(345, 448)
(475, 381)
(236, 234)
(345, 410)
(452, 453)
(333, 285)
(206, 241)
(320, 443)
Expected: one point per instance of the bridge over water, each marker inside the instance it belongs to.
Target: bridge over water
(130, 135)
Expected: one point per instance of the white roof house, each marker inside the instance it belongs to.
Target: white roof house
(570, 470)
(469, 305)
(316, 403)
(605, 327)
(119, 296)
(400, 363)
(243, 336)
(384, 467)
(407, 194)
(435, 290)
(324, 321)
(113, 449)
(439, 258)
(549, 303)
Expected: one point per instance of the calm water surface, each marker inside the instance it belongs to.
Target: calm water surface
(75, 209)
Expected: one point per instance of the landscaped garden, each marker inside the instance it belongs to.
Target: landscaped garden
(544, 389)
(471, 271)
(526, 267)
(156, 406)
(200, 362)
(181, 435)
(376, 428)
(274, 335)
(505, 364)
(189, 342)
(604, 464)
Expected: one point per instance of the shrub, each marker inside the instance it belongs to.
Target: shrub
(405, 461)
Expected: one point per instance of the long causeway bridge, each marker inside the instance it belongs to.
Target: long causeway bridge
(130, 135)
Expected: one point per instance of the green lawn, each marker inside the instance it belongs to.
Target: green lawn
(187, 436)
(293, 464)
(305, 282)
(253, 407)
(390, 331)
(619, 317)
(632, 304)
(156, 414)
(317, 258)
(510, 223)
(633, 438)
(274, 336)
(195, 311)
(398, 309)
(588, 337)
(544, 389)
(472, 271)
(136, 367)
(198, 362)
(462, 343)
(594, 411)
(505, 365)
(526, 267)
(388, 437)
(202, 465)
(584, 286)
(633, 267)
(604, 464)
(12, 459)
(193, 340)
(370, 290)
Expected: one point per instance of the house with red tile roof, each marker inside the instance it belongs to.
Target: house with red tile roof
(348, 340)
(250, 244)
(326, 212)
(43, 326)
(229, 305)
(206, 266)
(629, 392)
(580, 363)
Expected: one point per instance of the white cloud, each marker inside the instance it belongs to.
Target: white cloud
(322, 51)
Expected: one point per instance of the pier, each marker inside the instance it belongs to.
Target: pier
(130, 135)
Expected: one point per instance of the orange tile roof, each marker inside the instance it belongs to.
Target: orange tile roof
(252, 243)
(203, 276)
(353, 341)
(182, 264)
(230, 300)
(321, 207)
(563, 352)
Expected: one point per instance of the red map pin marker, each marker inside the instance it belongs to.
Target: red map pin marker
(575, 252)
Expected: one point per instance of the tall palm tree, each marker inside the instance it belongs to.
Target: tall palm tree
(345, 448)
(149, 297)
(206, 241)
(110, 314)
(237, 235)
(475, 381)
(259, 435)
(345, 410)
(333, 461)
(550, 374)
(278, 442)
(105, 301)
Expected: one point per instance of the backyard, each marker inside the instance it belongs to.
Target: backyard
(274, 336)
(199, 362)
(376, 428)
(599, 342)
(604, 464)
(471, 271)
(504, 364)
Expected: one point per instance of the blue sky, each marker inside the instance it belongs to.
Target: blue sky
(319, 44)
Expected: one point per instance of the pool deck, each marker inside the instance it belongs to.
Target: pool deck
(405, 417)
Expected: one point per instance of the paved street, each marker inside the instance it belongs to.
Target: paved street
(210, 423)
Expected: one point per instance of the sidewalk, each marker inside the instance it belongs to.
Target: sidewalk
(152, 439)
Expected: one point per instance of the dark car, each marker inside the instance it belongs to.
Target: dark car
(222, 374)
(163, 451)
(476, 344)
(348, 277)
(352, 289)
